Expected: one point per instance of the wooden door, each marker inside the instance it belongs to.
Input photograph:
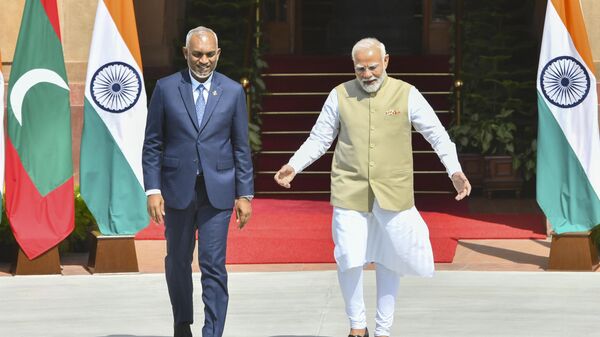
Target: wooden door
(279, 23)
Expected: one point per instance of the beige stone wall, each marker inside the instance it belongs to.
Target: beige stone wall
(158, 29)
(591, 13)
(76, 24)
(10, 21)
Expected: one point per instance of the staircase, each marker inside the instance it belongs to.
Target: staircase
(297, 87)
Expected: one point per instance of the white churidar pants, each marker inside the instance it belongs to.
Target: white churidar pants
(397, 242)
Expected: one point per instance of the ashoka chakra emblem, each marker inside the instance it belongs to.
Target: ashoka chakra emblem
(116, 87)
(565, 82)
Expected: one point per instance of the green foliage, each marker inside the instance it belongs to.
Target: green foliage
(234, 22)
(256, 91)
(499, 67)
(75, 242)
(84, 223)
(6, 235)
(230, 20)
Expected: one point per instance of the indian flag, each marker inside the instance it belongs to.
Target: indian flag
(114, 123)
(568, 167)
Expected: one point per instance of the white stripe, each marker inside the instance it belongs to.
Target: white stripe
(580, 123)
(127, 128)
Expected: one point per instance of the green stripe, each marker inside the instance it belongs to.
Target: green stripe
(44, 140)
(107, 182)
(564, 191)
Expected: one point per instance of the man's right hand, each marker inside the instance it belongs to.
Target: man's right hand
(156, 208)
(285, 175)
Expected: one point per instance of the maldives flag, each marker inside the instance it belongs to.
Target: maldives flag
(568, 167)
(39, 168)
(115, 111)
(1, 132)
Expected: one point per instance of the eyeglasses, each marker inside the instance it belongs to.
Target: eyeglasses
(362, 69)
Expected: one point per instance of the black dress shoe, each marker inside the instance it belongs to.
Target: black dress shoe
(182, 330)
(365, 335)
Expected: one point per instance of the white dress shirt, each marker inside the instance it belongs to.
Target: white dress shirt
(206, 85)
(420, 114)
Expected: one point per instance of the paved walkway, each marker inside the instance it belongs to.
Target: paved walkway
(306, 304)
(492, 288)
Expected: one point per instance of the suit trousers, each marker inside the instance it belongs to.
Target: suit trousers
(180, 231)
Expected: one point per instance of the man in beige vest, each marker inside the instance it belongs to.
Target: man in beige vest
(374, 217)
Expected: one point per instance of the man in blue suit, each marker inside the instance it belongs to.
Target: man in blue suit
(197, 169)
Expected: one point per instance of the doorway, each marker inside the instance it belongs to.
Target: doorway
(329, 27)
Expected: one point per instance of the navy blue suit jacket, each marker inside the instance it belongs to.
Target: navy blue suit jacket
(175, 142)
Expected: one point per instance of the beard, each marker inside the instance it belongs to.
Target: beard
(372, 87)
(203, 73)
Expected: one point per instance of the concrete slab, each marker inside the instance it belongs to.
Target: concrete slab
(306, 304)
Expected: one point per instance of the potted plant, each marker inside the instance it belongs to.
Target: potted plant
(596, 237)
(497, 136)
(8, 245)
(469, 149)
(499, 65)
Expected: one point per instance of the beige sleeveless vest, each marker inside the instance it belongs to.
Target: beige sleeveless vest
(373, 155)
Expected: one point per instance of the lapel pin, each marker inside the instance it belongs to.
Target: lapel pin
(214, 93)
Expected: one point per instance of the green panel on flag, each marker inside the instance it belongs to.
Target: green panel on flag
(570, 206)
(111, 190)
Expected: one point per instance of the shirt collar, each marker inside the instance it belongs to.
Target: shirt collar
(206, 83)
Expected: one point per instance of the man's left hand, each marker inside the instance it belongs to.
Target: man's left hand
(243, 211)
(461, 184)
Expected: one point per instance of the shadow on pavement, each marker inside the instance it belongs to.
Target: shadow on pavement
(129, 336)
(508, 254)
(297, 336)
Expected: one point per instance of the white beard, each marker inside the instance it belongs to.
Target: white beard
(373, 87)
(201, 76)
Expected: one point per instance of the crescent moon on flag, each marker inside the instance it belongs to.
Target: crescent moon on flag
(26, 82)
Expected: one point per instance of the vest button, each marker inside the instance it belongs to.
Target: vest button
(372, 163)
(372, 146)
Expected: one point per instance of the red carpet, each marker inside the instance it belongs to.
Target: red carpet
(299, 231)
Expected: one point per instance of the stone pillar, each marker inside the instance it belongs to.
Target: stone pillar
(591, 14)
(76, 26)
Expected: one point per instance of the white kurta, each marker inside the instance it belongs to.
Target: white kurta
(397, 240)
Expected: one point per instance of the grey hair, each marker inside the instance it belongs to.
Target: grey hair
(198, 31)
(367, 43)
